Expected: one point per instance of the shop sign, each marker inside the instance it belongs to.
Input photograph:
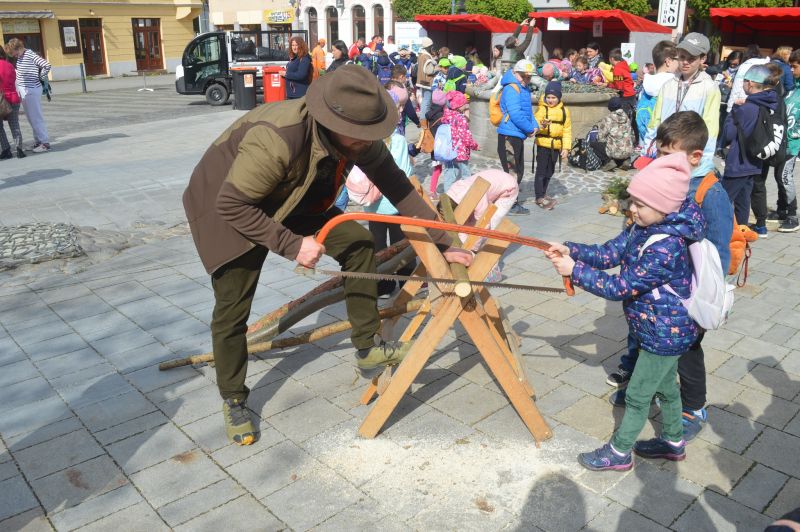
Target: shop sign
(669, 13)
(597, 27)
(279, 16)
(21, 26)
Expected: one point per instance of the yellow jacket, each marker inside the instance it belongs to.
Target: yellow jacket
(558, 135)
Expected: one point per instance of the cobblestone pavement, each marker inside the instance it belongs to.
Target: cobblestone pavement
(94, 437)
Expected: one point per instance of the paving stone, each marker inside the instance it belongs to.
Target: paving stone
(140, 357)
(272, 469)
(115, 411)
(15, 497)
(332, 382)
(233, 453)
(57, 454)
(721, 392)
(730, 431)
(278, 396)
(364, 515)
(505, 425)
(432, 426)
(772, 381)
(479, 516)
(150, 447)
(786, 501)
(193, 405)
(308, 419)
(794, 426)
(30, 521)
(178, 329)
(557, 499)
(8, 468)
(46, 433)
(82, 377)
(662, 505)
(758, 487)
(559, 399)
(119, 343)
(78, 483)
(766, 409)
(103, 325)
(19, 371)
(724, 338)
(616, 517)
(80, 307)
(590, 379)
(137, 518)
(70, 363)
(131, 427)
(244, 513)
(32, 416)
(791, 363)
(150, 378)
(53, 347)
(30, 391)
(550, 360)
(330, 494)
(199, 502)
(714, 513)
(95, 390)
(733, 369)
(711, 466)
(32, 334)
(96, 508)
(590, 415)
(177, 477)
(470, 404)
(777, 450)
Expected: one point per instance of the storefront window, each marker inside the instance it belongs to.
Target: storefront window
(27, 31)
(333, 24)
(313, 31)
(359, 23)
(377, 17)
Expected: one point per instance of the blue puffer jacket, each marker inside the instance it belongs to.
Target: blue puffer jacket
(659, 322)
(737, 164)
(518, 120)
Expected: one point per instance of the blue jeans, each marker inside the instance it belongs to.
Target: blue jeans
(342, 199)
(453, 171)
(424, 102)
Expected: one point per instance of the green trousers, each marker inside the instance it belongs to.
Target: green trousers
(653, 375)
(235, 283)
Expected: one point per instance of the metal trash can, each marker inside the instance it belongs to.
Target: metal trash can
(274, 83)
(244, 88)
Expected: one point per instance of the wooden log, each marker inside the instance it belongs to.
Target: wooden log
(462, 287)
(305, 338)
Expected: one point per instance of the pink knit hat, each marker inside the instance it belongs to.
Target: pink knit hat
(456, 99)
(663, 184)
(438, 97)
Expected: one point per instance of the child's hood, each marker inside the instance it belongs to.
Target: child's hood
(767, 98)
(688, 223)
(509, 79)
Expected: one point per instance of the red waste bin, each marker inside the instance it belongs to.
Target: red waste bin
(274, 83)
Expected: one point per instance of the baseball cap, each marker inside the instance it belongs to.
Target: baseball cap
(695, 43)
(444, 62)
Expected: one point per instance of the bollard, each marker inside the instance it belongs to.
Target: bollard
(83, 79)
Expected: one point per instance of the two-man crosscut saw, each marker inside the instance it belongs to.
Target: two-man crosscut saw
(443, 226)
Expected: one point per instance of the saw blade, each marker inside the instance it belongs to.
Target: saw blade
(436, 280)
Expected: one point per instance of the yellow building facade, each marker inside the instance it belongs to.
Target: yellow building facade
(111, 37)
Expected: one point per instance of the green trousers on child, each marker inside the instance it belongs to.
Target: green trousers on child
(653, 375)
(235, 285)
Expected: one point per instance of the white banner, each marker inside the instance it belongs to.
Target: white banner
(558, 24)
(628, 50)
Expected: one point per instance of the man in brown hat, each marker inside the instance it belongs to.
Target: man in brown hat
(268, 183)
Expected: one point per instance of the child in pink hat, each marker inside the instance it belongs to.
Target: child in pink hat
(651, 254)
(463, 142)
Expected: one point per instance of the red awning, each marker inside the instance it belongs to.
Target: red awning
(464, 23)
(614, 21)
(781, 20)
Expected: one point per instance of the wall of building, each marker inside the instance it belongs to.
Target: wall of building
(345, 18)
(117, 31)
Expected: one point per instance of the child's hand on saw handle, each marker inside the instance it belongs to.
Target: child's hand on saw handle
(559, 256)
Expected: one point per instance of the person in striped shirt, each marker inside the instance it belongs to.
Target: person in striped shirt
(31, 69)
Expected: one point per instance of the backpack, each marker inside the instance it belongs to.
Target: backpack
(711, 298)
(384, 73)
(740, 238)
(767, 141)
(443, 148)
(450, 84)
(583, 156)
(496, 113)
(619, 143)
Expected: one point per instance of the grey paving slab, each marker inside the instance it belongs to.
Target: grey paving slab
(81, 482)
(240, 514)
(94, 390)
(308, 419)
(200, 501)
(730, 431)
(8, 468)
(139, 518)
(60, 345)
(231, 454)
(773, 381)
(786, 501)
(130, 428)
(30, 521)
(96, 508)
(713, 512)
(192, 405)
(758, 487)
(15, 497)
(33, 415)
(17, 372)
(114, 411)
(140, 357)
(177, 477)
(70, 363)
(22, 393)
(272, 469)
(470, 404)
(557, 499)
(777, 450)
(711, 466)
(278, 396)
(149, 448)
(41, 435)
(57, 454)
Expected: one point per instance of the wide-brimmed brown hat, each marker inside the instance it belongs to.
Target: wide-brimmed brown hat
(351, 102)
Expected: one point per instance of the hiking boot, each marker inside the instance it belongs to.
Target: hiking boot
(659, 448)
(41, 148)
(606, 458)
(238, 423)
(789, 225)
(620, 378)
(5, 154)
(20, 154)
(371, 361)
(761, 230)
(518, 210)
(776, 216)
(693, 421)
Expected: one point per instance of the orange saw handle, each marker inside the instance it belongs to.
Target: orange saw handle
(444, 226)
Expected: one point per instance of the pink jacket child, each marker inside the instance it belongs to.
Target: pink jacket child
(8, 78)
(503, 192)
(459, 126)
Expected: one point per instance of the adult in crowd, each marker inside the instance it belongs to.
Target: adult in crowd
(514, 49)
(752, 57)
(298, 71)
(517, 123)
(549, 73)
(355, 49)
(781, 58)
(8, 78)
(426, 70)
(318, 59)
(496, 63)
(593, 54)
(339, 52)
(727, 72)
(691, 90)
(389, 46)
(376, 43)
(31, 70)
(268, 184)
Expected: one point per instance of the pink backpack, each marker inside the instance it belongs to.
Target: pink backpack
(361, 189)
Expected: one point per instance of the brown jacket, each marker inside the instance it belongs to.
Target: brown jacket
(258, 171)
(424, 80)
